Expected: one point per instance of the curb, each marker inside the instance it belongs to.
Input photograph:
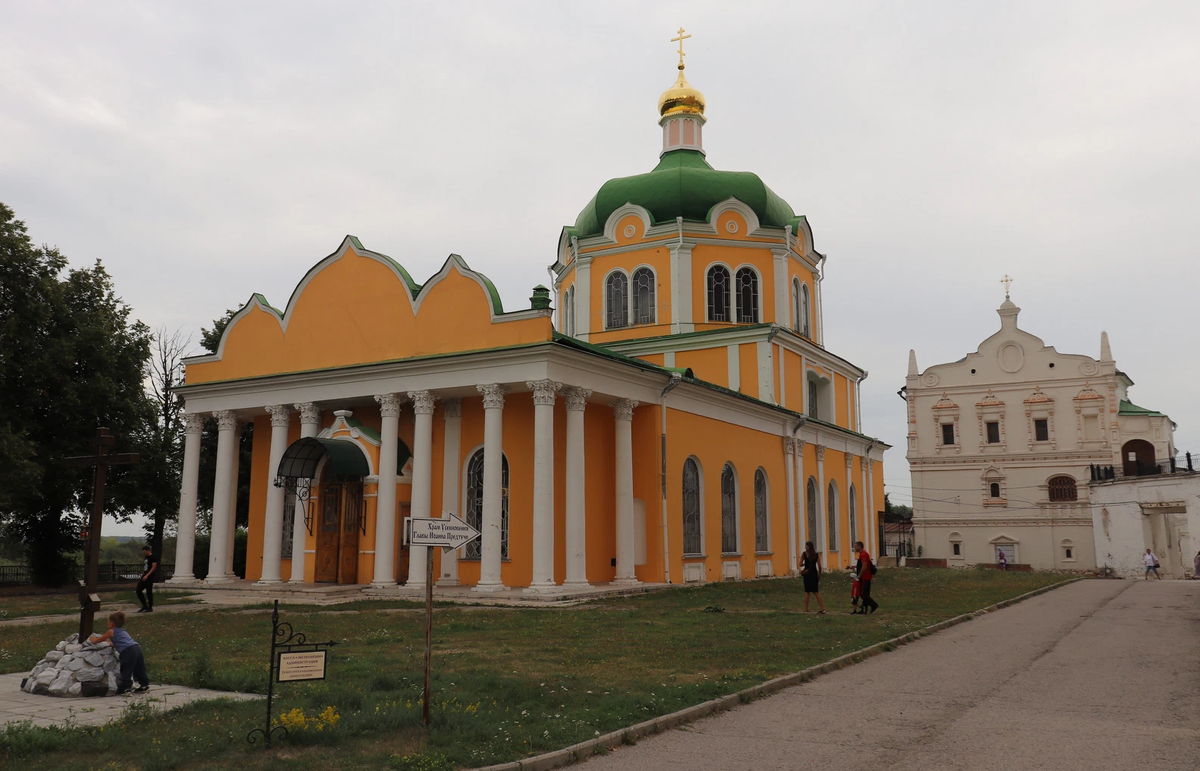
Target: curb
(631, 734)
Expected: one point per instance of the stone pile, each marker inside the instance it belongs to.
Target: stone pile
(75, 669)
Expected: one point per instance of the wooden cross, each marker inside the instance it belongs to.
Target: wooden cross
(1007, 281)
(682, 37)
(89, 601)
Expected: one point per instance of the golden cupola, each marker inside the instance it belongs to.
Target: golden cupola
(681, 110)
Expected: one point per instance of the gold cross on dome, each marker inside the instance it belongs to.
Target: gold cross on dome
(1007, 281)
(682, 37)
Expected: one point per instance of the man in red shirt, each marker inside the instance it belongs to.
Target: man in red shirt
(866, 571)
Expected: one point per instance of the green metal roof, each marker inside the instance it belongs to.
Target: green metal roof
(683, 185)
(1129, 408)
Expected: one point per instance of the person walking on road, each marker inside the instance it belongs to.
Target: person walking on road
(810, 569)
(145, 585)
(866, 572)
(1151, 564)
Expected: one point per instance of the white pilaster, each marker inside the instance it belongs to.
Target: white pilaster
(310, 426)
(734, 360)
(802, 533)
(874, 550)
(789, 463)
(583, 297)
(451, 464)
(855, 527)
(227, 448)
(822, 539)
(782, 288)
(623, 415)
(681, 288)
(576, 524)
(273, 519)
(493, 468)
(231, 537)
(385, 496)
(185, 539)
(422, 483)
(544, 392)
(766, 371)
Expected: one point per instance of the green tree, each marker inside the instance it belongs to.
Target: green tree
(895, 512)
(71, 359)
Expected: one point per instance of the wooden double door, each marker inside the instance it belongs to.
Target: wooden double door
(340, 520)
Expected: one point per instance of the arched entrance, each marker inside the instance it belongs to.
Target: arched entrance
(1137, 458)
(335, 469)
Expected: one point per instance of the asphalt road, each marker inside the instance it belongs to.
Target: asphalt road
(1095, 675)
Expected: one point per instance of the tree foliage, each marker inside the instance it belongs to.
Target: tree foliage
(71, 359)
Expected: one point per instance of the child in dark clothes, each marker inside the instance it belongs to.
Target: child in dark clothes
(133, 663)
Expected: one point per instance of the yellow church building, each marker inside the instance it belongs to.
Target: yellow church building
(673, 416)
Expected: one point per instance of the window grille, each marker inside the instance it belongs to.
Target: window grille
(643, 296)
(1063, 489)
(831, 505)
(797, 318)
(747, 293)
(474, 505)
(691, 508)
(813, 412)
(616, 293)
(762, 539)
(719, 294)
(289, 524)
(812, 511)
(729, 544)
(993, 433)
(805, 313)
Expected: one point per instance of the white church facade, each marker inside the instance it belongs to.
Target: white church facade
(1003, 445)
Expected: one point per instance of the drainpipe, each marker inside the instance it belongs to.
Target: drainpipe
(662, 408)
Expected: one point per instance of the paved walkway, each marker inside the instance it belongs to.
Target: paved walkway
(1095, 675)
(17, 706)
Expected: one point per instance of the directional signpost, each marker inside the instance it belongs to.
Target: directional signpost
(450, 532)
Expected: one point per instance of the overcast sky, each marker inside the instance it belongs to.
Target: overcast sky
(205, 151)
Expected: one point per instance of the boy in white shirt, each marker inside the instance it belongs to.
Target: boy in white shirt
(1151, 564)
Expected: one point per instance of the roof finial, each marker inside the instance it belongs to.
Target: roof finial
(1007, 281)
(682, 37)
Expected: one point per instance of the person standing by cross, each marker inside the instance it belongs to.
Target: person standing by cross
(89, 601)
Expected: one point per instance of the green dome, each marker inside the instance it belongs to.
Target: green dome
(683, 185)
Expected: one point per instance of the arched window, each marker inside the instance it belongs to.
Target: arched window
(853, 498)
(1062, 489)
(994, 489)
(720, 294)
(569, 312)
(811, 509)
(797, 318)
(746, 282)
(643, 296)
(762, 540)
(729, 535)
(473, 504)
(616, 300)
(813, 412)
(805, 312)
(831, 505)
(692, 534)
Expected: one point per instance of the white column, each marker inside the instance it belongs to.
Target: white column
(218, 537)
(233, 496)
(185, 531)
(623, 414)
(493, 459)
(385, 497)
(576, 491)
(858, 534)
(310, 425)
(422, 483)
(273, 520)
(790, 472)
(451, 465)
(544, 392)
(871, 518)
(783, 287)
(583, 297)
(822, 539)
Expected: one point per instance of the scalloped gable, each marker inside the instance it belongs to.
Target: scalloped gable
(359, 307)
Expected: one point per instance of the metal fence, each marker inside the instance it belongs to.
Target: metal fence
(109, 572)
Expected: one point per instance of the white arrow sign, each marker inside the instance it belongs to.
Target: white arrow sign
(450, 532)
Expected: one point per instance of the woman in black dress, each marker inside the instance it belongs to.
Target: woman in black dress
(810, 569)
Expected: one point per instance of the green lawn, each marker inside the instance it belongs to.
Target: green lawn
(50, 604)
(507, 682)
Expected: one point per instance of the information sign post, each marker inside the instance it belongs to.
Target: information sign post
(293, 658)
(449, 532)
